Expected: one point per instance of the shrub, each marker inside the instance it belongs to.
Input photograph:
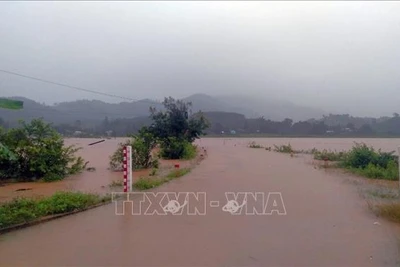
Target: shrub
(383, 159)
(360, 156)
(142, 146)
(190, 151)
(176, 128)
(174, 148)
(37, 151)
(365, 161)
(51, 177)
(284, 148)
(177, 121)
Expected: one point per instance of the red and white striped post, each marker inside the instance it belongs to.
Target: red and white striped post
(127, 165)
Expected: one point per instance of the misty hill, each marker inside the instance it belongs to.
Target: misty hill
(95, 110)
(269, 108)
(253, 107)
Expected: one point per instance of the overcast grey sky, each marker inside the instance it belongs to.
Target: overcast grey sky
(340, 56)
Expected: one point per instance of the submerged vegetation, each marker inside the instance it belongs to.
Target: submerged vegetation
(173, 131)
(328, 155)
(284, 149)
(176, 128)
(360, 159)
(368, 162)
(253, 144)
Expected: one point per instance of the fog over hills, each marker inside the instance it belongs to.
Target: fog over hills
(95, 110)
(283, 58)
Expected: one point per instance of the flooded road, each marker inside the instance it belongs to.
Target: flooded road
(327, 223)
(97, 181)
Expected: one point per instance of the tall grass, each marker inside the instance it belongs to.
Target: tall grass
(22, 210)
(145, 183)
(329, 155)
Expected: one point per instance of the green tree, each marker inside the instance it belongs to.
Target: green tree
(142, 146)
(39, 152)
(176, 127)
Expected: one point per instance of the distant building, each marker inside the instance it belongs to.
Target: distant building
(77, 133)
(233, 132)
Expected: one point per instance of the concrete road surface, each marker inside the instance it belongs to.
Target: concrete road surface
(326, 223)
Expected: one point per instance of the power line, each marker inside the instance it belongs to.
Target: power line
(66, 85)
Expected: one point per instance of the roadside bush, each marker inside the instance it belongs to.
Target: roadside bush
(142, 145)
(174, 148)
(36, 150)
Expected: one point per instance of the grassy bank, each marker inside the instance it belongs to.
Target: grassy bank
(145, 183)
(24, 210)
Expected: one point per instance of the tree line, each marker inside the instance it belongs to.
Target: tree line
(228, 123)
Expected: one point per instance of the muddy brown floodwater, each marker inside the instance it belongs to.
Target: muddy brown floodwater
(97, 181)
(326, 221)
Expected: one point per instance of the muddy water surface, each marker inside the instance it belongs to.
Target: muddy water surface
(97, 181)
(327, 223)
(338, 144)
(98, 157)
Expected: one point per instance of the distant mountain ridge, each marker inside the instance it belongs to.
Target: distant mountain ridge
(95, 110)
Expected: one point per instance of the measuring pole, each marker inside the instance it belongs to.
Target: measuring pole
(125, 168)
(127, 165)
(130, 167)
